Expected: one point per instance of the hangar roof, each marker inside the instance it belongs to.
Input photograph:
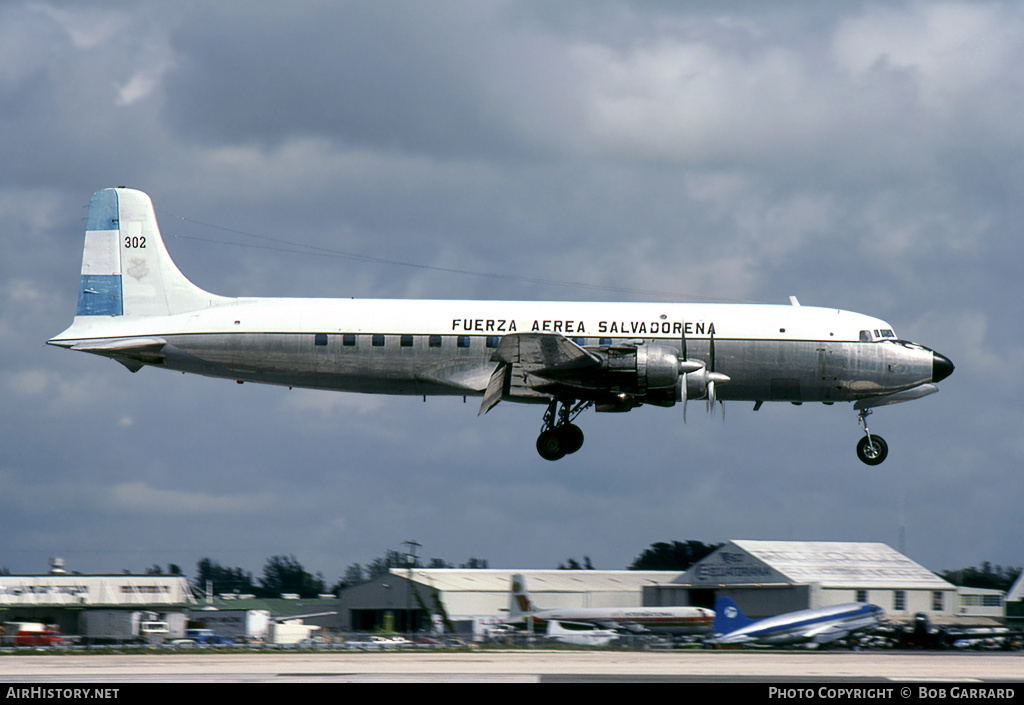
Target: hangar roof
(1016, 591)
(492, 580)
(831, 564)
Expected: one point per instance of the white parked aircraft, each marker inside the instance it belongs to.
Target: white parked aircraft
(814, 626)
(654, 620)
(136, 307)
(580, 633)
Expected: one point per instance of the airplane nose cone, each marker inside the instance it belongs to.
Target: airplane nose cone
(942, 367)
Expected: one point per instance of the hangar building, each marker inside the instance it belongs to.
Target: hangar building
(1015, 603)
(472, 598)
(61, 598)
(766, 578)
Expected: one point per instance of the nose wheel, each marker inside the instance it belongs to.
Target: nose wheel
(560, 437)
(871, 449)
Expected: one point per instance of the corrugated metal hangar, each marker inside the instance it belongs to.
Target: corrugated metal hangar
(766, 578)
(472, 598)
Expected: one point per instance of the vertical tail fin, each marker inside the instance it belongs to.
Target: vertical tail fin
(728, 617)
(126, 270)
(518, 598)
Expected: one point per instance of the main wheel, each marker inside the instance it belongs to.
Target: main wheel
(550, 445)
(872, 450)
(572, 437)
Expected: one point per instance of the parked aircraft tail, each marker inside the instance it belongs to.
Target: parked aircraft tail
(126, 270)
(728, 616)
(519, 599)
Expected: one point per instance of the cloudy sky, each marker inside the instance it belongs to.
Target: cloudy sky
(861, 155)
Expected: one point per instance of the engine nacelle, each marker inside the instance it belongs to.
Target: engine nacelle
(657, 374)
(657, 366)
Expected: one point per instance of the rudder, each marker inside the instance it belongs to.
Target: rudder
(728, 616)
(126, 269)
(519, 602)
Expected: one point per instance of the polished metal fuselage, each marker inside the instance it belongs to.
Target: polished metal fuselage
(769, 353)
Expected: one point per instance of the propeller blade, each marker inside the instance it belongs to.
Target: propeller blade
(711, 352)
(682, 381)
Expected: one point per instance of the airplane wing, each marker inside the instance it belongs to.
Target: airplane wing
(548, 355)
(540, 356)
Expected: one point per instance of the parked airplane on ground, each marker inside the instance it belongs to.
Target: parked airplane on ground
(815, 626)
(654, 620)
(580, 633)
(136, 307)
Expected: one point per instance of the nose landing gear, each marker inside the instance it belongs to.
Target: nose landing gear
(559, 436)
(871, 449)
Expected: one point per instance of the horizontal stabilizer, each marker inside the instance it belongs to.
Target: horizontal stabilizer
(120, 345)
(133, 353)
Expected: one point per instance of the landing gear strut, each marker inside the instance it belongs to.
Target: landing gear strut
(559, 436)
(870, 449)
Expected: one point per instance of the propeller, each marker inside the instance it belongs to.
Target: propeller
(711, 369)
(707, 373)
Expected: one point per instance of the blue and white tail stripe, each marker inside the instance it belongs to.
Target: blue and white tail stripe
(126, 269)
(101, 292)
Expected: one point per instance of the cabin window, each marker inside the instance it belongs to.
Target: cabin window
(462, 341)
(865, 336)
(434, 341)
(405, 341)
(580, 341)
(377, 340)
(606, 342)
(348, 340)
(320, 339)
(492, 341)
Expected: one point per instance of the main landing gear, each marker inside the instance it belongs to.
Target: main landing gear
(559, 436)
(871, 449)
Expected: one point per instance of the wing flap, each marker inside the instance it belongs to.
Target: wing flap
(497, 387)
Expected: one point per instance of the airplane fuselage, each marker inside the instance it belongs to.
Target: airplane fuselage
(136, 307)
(820, 625)
(770, 353)
(657, 620)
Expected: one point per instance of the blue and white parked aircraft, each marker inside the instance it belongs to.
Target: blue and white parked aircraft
(136, 307)
(813, 627)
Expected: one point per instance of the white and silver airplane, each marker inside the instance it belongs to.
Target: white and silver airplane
(136, 307)
(817, 626)
(653, 620)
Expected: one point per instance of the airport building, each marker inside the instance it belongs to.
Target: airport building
(1014, 605)
(766, 578)
(469, 600)
(61, 598)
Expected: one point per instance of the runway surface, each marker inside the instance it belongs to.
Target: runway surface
(517, 666)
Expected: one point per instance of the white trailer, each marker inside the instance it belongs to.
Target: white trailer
(239, 625)
(122, 626)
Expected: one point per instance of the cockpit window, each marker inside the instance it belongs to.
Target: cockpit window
(867, 336)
